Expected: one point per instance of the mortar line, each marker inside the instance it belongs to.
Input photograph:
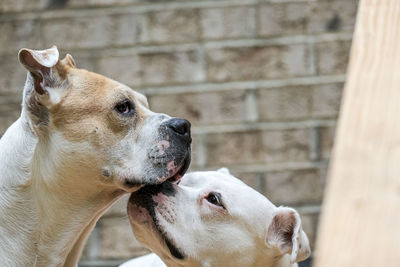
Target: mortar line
(240, 85)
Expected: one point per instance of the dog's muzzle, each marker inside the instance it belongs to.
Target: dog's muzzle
(177, 131)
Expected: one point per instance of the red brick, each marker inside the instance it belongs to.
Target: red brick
(300, 102)
(253, 63)
(93, 31)
(153, 68)
(13, 76)
(171, 68)
(228, 22)
(327, 141)
(333, 57)
(174, 26)
(283, 19)
(326, 100)
(18, 34)
(203, 108)
(21, 5)
(310, 223)
(254, 147)
(227, 149)
(10, 110)
(307, 17)
(126, 70)
(295, 187)
(288, 103)
(331, 16)
(286, 145)
(198, 154)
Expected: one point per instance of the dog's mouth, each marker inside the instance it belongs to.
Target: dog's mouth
(177, 174)
(173, 174)
(144, 199)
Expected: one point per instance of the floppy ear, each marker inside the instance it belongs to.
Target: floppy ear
(224, 170)
(286, 234)
(47, 72)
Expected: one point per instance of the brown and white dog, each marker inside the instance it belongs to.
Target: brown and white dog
(212, 219)
(81, 142)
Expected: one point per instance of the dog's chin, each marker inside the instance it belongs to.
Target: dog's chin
(142, 217)
(141, 204)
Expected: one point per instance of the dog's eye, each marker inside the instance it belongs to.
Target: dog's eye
(124, 107)
(215, 199)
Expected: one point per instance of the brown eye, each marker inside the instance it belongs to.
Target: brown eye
(215, 199)
(125, 107)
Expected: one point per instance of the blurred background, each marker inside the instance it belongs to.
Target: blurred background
(260, 80)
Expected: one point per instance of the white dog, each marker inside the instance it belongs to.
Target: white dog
(213, 219)
(82, 141)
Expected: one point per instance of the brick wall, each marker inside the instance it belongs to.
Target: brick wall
(260, 80)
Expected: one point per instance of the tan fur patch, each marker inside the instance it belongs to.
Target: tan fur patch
(86, 111)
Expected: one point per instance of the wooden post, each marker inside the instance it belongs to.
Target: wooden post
(360, 223)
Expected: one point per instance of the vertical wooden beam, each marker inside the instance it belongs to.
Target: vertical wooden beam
(360, 223)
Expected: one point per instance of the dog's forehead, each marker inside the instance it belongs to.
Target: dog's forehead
(236, 192)
(245, 205)
(96, 85)
(87, 103)
(209, 178)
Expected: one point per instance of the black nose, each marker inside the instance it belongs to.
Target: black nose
(181, 128)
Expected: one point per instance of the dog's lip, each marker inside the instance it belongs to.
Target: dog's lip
(175, 178)
(175, 252)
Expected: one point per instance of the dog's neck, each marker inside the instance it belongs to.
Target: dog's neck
(67, 205)
(16, 150)
(54, 221)
(64, 224)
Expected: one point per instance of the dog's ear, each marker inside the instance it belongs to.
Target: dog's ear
(68, 60)
(47, 72)
(224, 171)
(286, 234)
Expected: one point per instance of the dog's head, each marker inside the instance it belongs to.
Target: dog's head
(214, 219)
(91, 126)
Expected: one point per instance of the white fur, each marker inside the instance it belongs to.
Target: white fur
(209, 235)
(52, 190)
(37, 228)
